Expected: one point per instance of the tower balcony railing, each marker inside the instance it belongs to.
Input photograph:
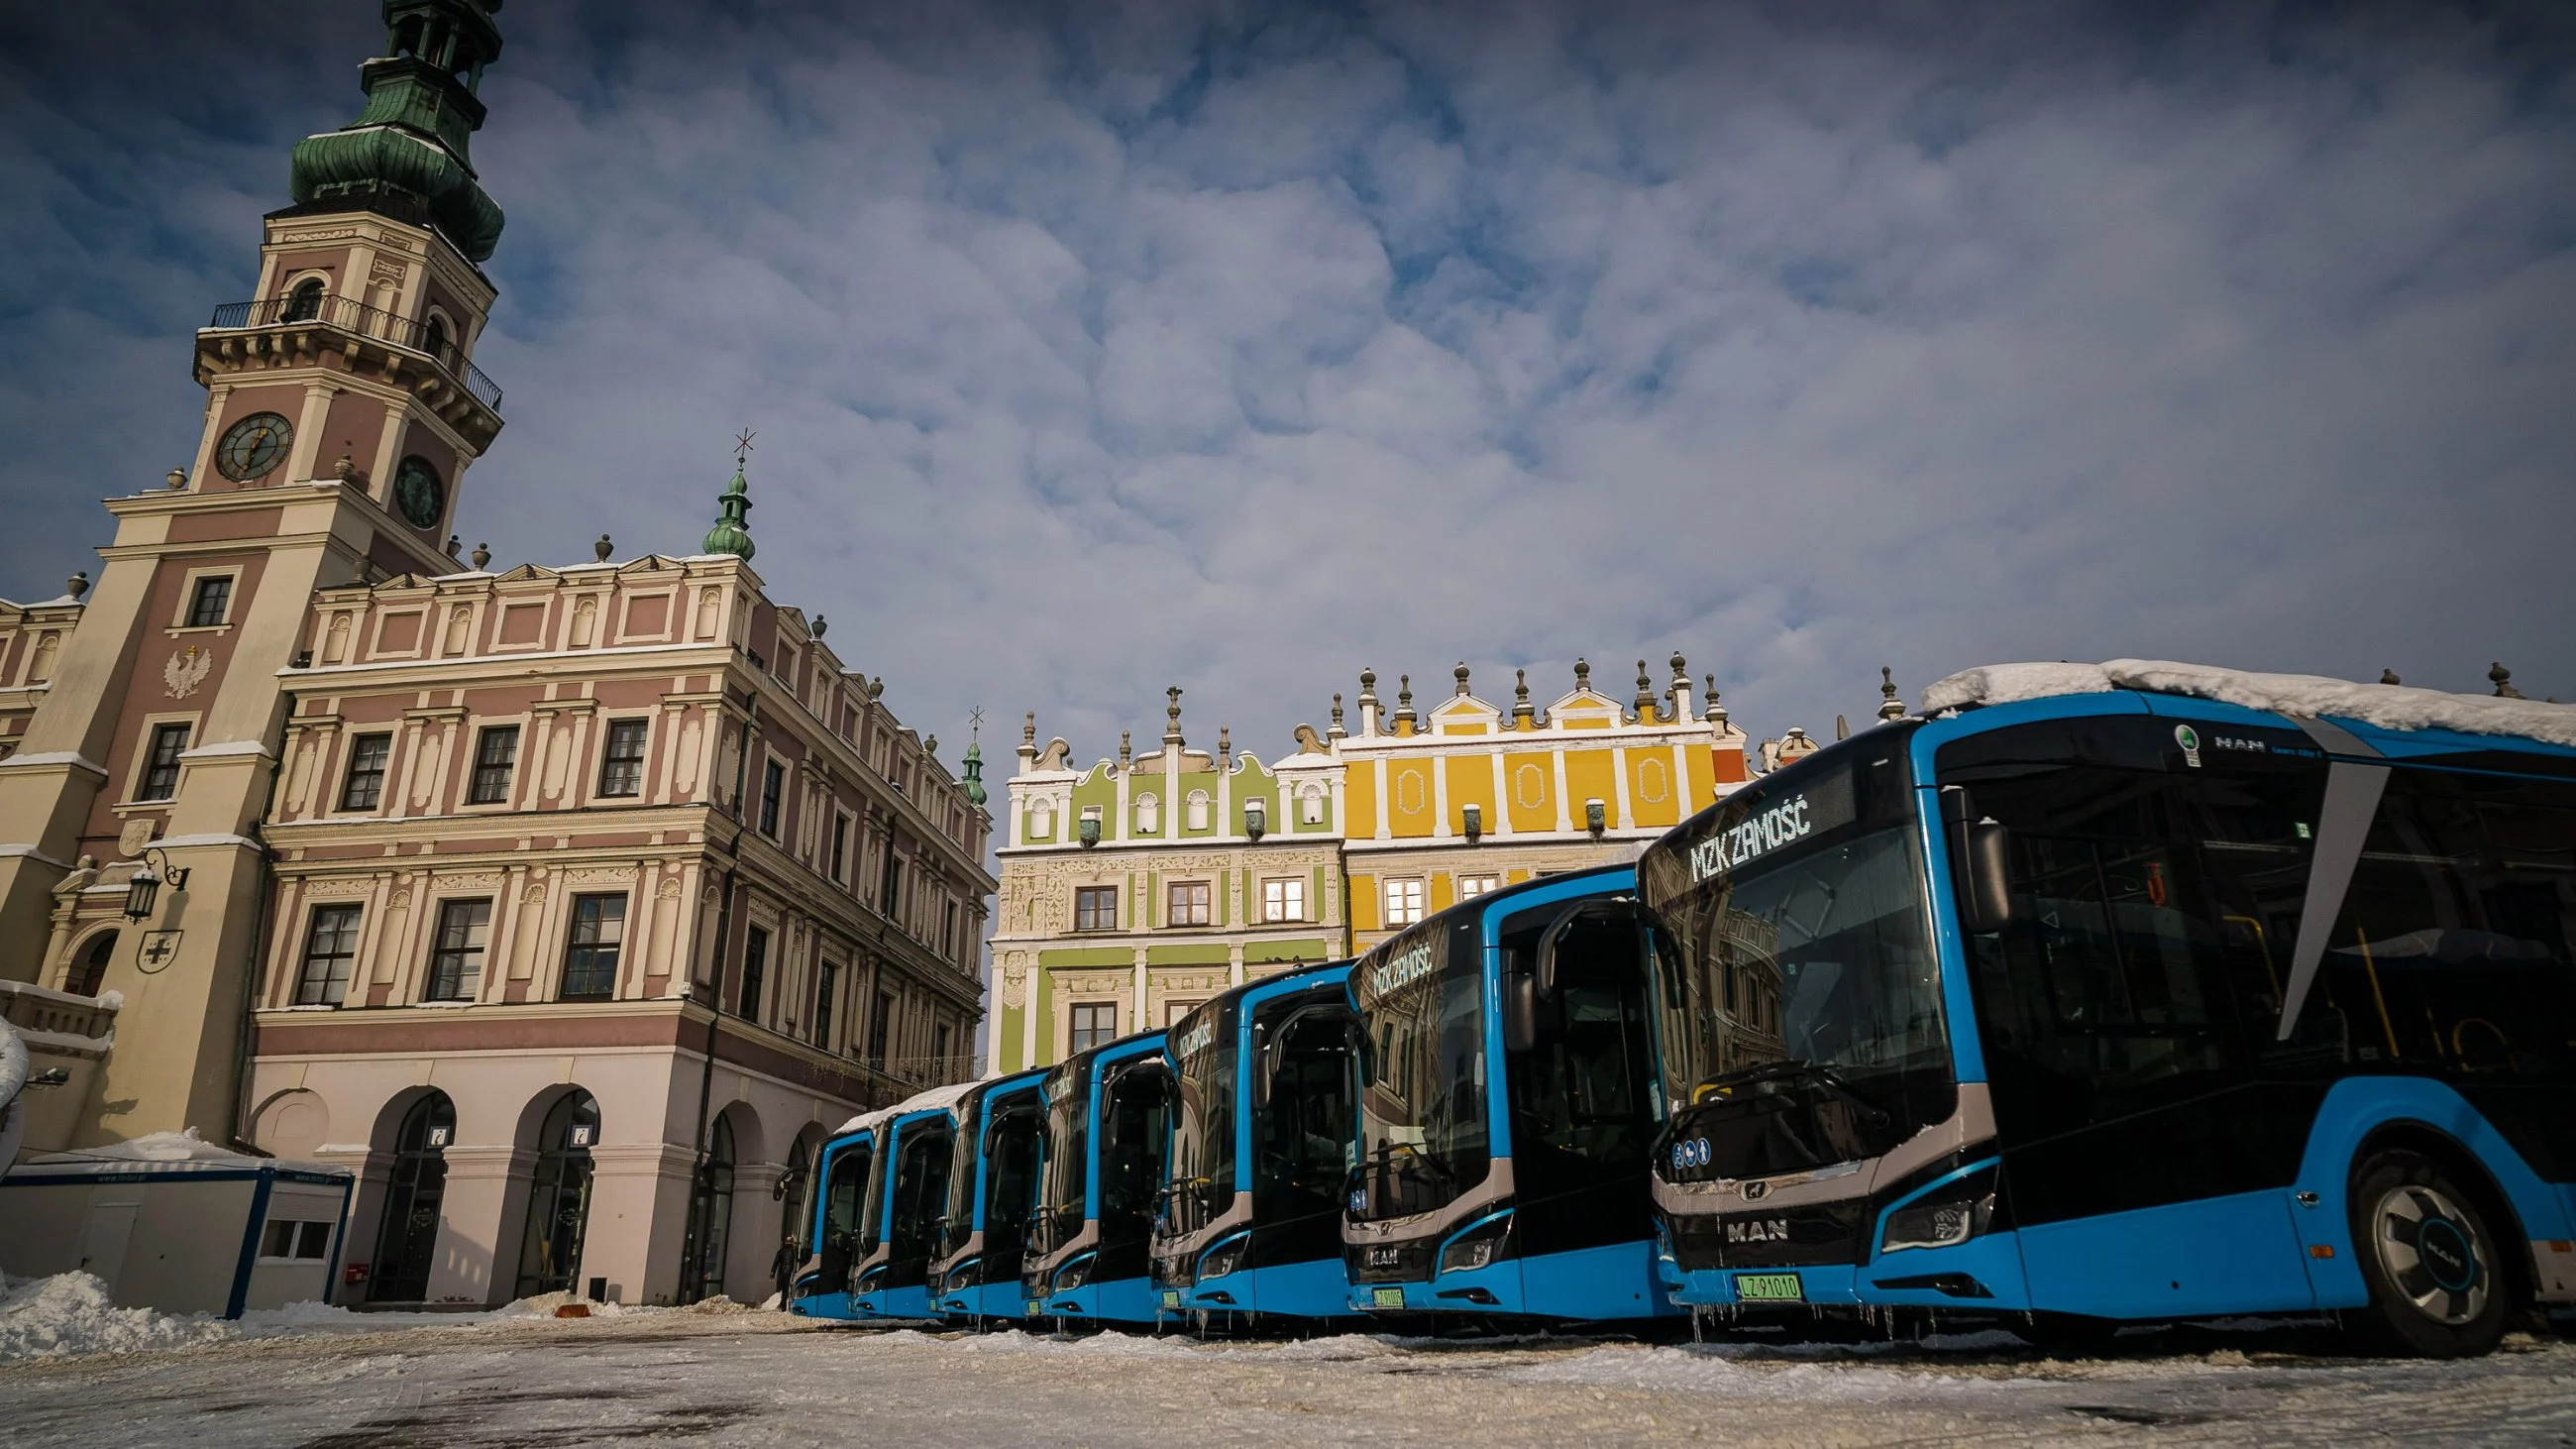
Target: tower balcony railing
(348, 314)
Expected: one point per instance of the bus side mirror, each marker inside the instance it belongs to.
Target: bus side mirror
(1520, 1011)
(1981, 862)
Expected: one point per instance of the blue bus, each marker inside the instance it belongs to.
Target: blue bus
(1507, 1109)
(1262, 1144)
(2126, 1005)
(1108, 1111)
(992, 1183)
(841, 1176)
(906, 1194)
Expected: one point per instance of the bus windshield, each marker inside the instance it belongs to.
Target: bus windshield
(1424, 1138)
(965, 1149)
(1064, 1180)
(1799, 1001)
(1204, 1044)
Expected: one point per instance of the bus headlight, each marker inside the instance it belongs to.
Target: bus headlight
(1224, 1258)
(869, 1280)
(1076, 1273)
(1477, 1247)
(1949, 1215)
(963, 1276)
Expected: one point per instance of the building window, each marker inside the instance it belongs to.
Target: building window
(1283, 900)
(1403, 902)
(939, 1042)
(496, 751)
(840, 846)
(1472, 886)
(948, 930)
(161, 762)
(304, 303)
(1095, 908)
(590, 957)
(890, 889)
(210, 602)
(456, 957)
(1094, 1024)
(1173, 1011)
(365, 787)
(1188, 900)
(286, 1238)
(773, 790)
(755, 971)
(824, 981)
(621, 769)
(330, 948)
(879, 1024)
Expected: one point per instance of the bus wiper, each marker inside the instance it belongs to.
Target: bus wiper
(1797, 1071)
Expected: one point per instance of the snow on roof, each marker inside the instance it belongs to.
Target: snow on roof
(2389, 706)
(921, 1102)
(185, 1146)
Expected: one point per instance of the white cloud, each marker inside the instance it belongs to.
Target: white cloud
(1240, 348)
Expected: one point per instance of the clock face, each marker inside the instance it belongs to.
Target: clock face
(419, 493)
(253, 447)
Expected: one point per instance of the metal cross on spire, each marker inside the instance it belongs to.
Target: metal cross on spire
(975, 722)
(742, 449)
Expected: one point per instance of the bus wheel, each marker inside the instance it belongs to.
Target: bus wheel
(2436, 1280)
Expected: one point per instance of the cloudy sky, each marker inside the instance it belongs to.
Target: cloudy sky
(1097, 348)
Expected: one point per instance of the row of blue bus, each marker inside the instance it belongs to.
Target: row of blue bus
(2067, 1012)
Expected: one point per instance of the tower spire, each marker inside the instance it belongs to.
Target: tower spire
(405, 155)
(732, 533)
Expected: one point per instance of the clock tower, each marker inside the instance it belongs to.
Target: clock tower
(343, 410)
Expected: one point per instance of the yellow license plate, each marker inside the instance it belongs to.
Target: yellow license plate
(1387, 1298)
(1031, 1310)
(1171, 1298)
(1769, 1288)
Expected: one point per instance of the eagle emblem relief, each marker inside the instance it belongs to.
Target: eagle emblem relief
(186, 671)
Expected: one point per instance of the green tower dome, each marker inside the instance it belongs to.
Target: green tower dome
(975, 773)
(732, 533)
(405, 155)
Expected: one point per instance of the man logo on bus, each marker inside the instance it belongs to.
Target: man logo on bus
(2189, 739)
(1774, 1230)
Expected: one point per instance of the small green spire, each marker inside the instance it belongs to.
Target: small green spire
(732, 533)
(975, 774)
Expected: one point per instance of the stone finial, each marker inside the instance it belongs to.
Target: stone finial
(345, 468)
(930, 744)
(1029, 729)
(1337, 732)
(602, 549)
(176, 478)
(1368, 686)
(820, 624)
(1126, 750)
(1889, 706)
(1715, 711)
(2503, 678)
(1461, 672)
(455, 545)
(1224, 745)
(876, 689)
(1404, 699)
(1523, 712)
(2389, 676)
(1582, 674)
(77, 585)
(1645, 700)
(482, 556)
(1172, 716)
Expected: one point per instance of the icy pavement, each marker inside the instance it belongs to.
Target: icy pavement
(763, 1378)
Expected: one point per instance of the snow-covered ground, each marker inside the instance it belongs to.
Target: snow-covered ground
(745, 1377)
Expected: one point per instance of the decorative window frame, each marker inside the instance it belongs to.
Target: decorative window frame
(287, 285)
(343, 754)
(188, 600)
(472, 730)
(1301, 882)
(605, 725)
(134, 768)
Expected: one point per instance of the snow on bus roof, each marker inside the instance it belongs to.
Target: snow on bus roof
(2389, 706)
(947, 1096)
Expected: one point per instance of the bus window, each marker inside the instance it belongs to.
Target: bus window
(1581, 1123)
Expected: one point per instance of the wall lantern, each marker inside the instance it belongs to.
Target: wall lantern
(1256, 818)
(1087, 830)
(144, 887)
(1595, 818)
(1473, 817)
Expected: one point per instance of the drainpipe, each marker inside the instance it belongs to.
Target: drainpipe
(715, 1002)
(260, 923)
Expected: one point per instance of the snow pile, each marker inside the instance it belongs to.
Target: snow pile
(70, 1313)
(185, 1146)
(2389, 706)
(1726, 1372)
